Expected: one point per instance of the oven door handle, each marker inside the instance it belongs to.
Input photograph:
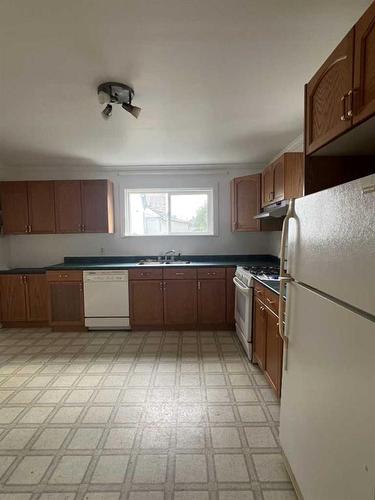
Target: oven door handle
(239, 285)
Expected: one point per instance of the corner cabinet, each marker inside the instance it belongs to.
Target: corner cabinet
(283, 179)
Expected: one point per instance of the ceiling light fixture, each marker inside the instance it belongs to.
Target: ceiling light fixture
(117, 93)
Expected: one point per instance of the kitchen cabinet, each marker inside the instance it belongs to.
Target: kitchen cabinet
(326, 97)
(231, 291)
(41, 205)
(23, 299)
(57, 206)
(267, 343)
(97, 206)
(245, 203)
(28, 207)
(146, 303)
(68, 206)
(211, 302)
(180, 303)
(283, 179)
(341, 94)
(84, 206)
(274, 352)
(259, 334)
(364, 67)
(65, 299)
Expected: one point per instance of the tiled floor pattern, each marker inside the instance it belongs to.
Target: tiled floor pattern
(135, 416)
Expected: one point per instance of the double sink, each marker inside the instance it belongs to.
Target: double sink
(169, 262)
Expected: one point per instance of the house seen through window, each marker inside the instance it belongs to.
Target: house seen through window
(160, 212)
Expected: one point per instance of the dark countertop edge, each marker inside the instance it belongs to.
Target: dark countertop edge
(119, 263)
(267, 285)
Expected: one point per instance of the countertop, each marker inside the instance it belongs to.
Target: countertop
(273, 285)
(131, 262)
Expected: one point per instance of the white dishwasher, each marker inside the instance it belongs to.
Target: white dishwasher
(106, 298)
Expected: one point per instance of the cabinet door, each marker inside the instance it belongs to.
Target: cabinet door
(326, 97)
(245, 192)
(211, 302)
(274, 352)
(364, 66)
(231, 290)
(41, 206)
(267, 185)
(66, 303)
(259, 334)
(180, 303)
(68, 206)
(13, 298)
(146, 303)
(14, 207)
(278, 180)
(37, 297)
(97, 206)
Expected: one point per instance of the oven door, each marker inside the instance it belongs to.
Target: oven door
(243, 309)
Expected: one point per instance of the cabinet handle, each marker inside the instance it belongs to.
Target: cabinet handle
(26, 228)
(29, 228)
(83, 227)
(350, 107)
(261, 308)
(161, 286)
(347, 114)
(271, 196)
(165, 285)
(270, 301)
(179, 274)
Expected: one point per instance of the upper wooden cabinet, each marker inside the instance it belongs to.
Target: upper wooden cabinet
(68, 206)
(245, 203)
(28, 207)
(327, 97)
(97, 206)
(342, 92)
(57, 207)
(283, 179)
(364, 67)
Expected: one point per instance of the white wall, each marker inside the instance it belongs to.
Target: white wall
(42, 250)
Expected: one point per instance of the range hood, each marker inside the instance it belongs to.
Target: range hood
(276, 210)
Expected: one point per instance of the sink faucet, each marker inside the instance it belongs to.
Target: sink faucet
(169, 255)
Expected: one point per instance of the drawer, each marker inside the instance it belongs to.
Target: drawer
(211, 273)
(64, 275)
(259, 291)
(272, 300)
(146, 274)
(180, 273)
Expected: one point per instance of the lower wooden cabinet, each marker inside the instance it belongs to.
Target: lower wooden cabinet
(65, 299)
(146, 303)
(181, 298)
(259, 334)
(211, 302)
(180, 303)
(23, 298)
(267, 343)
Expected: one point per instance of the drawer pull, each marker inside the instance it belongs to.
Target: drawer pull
(179, 274)
(270, 301)
(261, 308)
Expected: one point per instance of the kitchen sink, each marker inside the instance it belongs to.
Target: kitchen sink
(150, 262)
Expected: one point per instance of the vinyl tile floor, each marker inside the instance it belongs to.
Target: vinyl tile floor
(136, 416)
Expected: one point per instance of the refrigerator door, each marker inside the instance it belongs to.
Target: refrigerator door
(327, 423)
(331, 242)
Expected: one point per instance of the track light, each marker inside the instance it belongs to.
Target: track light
(117, 93)
(107, 112)
(133, 110)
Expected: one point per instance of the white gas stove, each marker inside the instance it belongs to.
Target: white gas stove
(244, 281)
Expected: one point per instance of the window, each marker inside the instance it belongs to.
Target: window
(158, 212)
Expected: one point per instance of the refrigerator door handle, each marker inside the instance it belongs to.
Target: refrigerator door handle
(284, 278)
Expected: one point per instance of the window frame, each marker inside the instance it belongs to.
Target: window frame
(211, 191)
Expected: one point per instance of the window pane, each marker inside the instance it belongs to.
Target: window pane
(189, 213)
(148, 213)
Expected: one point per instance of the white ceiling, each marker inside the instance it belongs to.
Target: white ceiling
(219, 81)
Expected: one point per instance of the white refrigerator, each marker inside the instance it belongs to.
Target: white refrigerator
(327, 422)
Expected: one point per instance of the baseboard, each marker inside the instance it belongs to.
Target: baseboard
(293, 479)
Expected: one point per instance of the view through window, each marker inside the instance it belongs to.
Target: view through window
(168, 212)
